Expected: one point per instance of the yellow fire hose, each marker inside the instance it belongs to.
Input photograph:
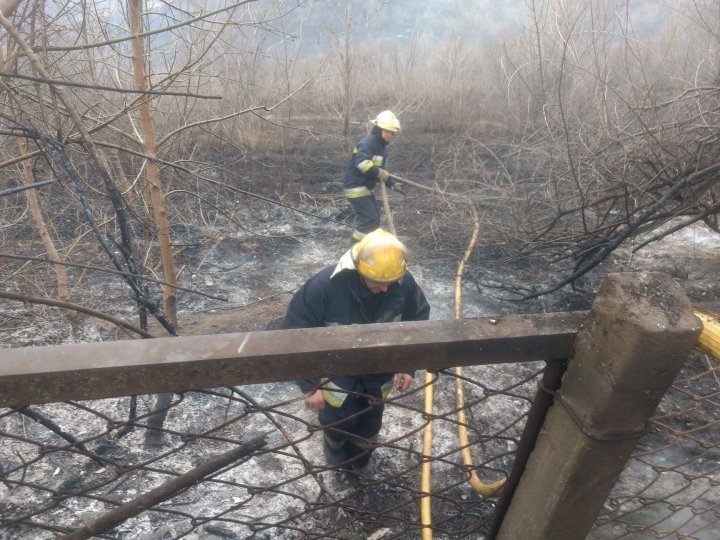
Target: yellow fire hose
(415, 184)
(434, 190)
(478, 485)
(386, 207)
(709, 340)
(425, 474)
(426, 469)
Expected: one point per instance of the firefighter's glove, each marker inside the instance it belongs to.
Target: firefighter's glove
(400, 188)
(383, 175)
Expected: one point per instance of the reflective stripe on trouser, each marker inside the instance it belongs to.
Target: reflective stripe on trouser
(357, 422)
(333, 394)
(367, 213)
(355, 192)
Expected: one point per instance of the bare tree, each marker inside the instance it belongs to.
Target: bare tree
(113, 111)
(7, 7)
(152, 171)
(63, 291)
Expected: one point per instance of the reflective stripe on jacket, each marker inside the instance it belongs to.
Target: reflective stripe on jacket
(367, 158)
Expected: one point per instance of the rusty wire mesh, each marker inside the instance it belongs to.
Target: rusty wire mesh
(670, 488)
(65, 465)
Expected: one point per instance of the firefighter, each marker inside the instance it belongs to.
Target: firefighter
(365, 168)
(370, 284)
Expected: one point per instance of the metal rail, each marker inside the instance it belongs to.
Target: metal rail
(36, 375)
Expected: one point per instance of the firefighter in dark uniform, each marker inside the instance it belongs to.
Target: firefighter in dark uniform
(369, 284)
(365, 169)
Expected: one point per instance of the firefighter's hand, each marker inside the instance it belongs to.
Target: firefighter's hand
(315, 401)
(403, 381)
(383, 175)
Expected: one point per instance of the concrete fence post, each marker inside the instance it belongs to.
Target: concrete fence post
(635, 340)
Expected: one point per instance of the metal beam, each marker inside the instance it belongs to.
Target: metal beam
(36, 375)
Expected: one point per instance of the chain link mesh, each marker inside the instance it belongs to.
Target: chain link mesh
(246, 462)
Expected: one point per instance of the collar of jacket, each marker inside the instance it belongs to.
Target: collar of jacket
(355, 286)
(377, 131)
(345, 263)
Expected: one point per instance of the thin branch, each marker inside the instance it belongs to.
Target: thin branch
(110, 271)
(145, 34)
(75, 307)
(105, 88)
(19, 159)
(18, 189)
(229, 217)
(676, 228)
(232, 115)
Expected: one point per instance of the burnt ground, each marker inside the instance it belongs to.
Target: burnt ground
(255, 253)
(258, 260)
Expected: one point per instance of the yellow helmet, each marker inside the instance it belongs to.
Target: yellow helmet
(380, 257)
(387, 120)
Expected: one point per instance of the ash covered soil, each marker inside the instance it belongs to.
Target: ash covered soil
(257, 267)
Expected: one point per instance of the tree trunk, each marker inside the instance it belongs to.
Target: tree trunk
(152, 171)
(7, 7)
(63, 291)
(347, 73)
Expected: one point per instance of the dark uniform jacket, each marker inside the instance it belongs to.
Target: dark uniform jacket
(368, 156)
(337, 296)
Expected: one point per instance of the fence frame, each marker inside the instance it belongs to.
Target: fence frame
(640, 331)
(74, 372)
(633, 342)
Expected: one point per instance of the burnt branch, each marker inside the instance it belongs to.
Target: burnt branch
(167, 490)
(597, 253)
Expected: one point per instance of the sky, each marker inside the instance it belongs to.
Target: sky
(442, 20)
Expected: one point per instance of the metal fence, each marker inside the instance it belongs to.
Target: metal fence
(671, 486)
(65, 465)
(245, 462)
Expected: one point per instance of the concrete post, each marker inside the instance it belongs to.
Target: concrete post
(639, 332)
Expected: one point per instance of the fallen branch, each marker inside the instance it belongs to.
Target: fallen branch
(164, 492)
(103, 88)
(18, 189)
(52, 426)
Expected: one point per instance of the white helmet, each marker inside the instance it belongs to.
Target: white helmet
(388, 121)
